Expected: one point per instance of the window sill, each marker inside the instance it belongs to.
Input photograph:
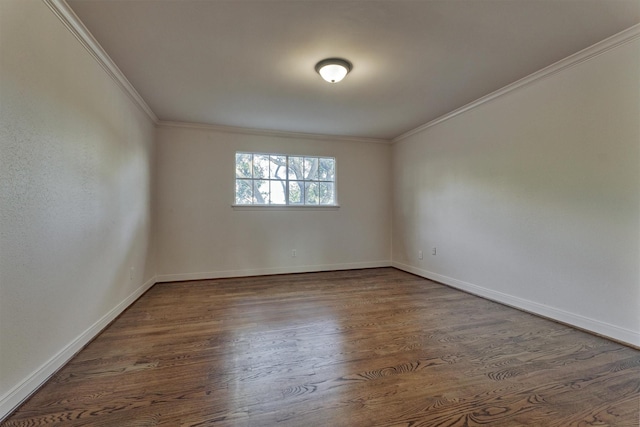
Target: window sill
(285, 207)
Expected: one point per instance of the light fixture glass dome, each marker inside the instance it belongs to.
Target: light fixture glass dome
(333, 69)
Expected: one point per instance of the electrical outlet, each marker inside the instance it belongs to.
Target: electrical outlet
(293, 253)
(419, 254)
(131, 271)
(434, 251)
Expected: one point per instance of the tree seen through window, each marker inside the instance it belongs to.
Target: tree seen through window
(278, 179)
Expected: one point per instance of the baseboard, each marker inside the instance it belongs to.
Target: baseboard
(595, 326)
(221, 274)
(23, 390)
(18, 394)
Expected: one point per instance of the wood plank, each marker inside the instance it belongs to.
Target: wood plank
(376, 347)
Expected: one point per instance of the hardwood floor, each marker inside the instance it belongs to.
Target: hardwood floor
(376, 347)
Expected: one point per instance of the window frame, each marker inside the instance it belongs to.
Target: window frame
(286, 205)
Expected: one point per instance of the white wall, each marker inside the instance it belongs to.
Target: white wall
(75, 185)
(533, 198)
(200, 235)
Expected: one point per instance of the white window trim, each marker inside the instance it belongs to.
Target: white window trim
(285, 207)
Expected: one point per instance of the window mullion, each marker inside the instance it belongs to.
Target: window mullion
(302, 184)
(286, 177)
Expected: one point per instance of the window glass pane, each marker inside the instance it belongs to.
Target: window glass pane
(326, 169)
(278, 167)
(311, 168)
(244, 191)
(296, 165)
(296, 192)
(261, 166)
(326, 193)
(278, 188)
(279, 179)
(310, 193)
(243, 165)
(261, 192)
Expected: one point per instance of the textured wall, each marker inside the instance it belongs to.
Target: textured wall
(201, 235)
(75, 189)
(534, 197)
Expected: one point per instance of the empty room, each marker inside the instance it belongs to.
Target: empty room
(319, 213)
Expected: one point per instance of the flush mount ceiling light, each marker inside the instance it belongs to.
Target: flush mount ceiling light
(333, 69)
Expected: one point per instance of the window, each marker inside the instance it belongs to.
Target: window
(279, 179)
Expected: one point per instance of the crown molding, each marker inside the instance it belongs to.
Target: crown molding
(619, 39)
(68, 17)
(62, 10)
(266, 132)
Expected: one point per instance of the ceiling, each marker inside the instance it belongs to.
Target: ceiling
(250, 64)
